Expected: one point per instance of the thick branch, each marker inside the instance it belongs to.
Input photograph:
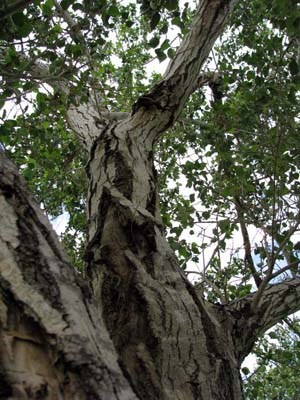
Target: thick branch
(87, 122)
(182, 76)
(276, 303)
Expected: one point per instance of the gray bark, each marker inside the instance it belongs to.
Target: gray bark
(53, 341)
(134, 327)
(168, 343)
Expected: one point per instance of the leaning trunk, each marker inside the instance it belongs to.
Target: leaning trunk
(163, 341)
(134, 327)
(53, 341)
(171, 344)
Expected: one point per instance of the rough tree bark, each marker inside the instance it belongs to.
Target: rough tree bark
(134, 327)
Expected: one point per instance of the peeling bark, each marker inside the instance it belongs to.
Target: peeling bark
(161, 329)
(135, 328)
(168, 343)
(53, 342)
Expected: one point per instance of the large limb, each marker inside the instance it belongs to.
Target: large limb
(276, 303)
(169, 96)
(53, 342)
(131, 140)
(157, 110)
(48, 320)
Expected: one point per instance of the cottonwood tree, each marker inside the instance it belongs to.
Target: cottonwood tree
(129, 324)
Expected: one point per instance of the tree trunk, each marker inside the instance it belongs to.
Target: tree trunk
(142, 331)
(53, 341)
(170, 343)
(133, 327)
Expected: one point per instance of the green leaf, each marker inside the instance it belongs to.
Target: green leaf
(165, 45)
(206, 214)
(293, 67)
(154, 20)
(171, 52)
(112, 11)
(272, 335)
(195, 248)
(47, 7)
(164, 28)
(177, 21)
(19, 18)
(160, 55)
(153, 42)
(78, 6)
(66, 4)
(129, 23)
(171, 5)
(25, 30)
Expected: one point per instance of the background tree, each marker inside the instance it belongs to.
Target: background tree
(140, 329)
(278, 363)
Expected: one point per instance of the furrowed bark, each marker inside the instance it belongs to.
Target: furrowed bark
(171, 344)
(183, 73)
(165, 342)
(53, 342)
(167, 338)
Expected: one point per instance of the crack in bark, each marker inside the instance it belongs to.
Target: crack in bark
(170, 342)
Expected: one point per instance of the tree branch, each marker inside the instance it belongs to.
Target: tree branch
(169, 96)
(292, 326)
(247, 246)
(284, 269)
(40, 71)
(271, 263)
(290, 233)
(210, 283)
(87, 119)
(276, 303)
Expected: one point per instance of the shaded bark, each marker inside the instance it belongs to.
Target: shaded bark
(168, 342)
(162, 331)
(53, 342)
(135, 327)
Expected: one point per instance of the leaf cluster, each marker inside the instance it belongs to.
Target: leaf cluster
(278, 361)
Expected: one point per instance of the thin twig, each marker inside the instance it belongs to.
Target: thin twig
(247, 245)
(211, 284)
